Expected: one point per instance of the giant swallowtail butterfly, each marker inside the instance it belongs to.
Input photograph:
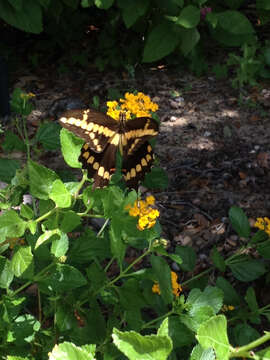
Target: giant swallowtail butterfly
(103, 135)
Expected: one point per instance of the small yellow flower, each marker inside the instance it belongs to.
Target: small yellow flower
(226, 308)
(176, 288)
(147, 214)
(263, 224)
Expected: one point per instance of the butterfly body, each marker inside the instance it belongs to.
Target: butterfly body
(103, 135)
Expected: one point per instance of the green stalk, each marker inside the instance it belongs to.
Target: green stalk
(245, 351)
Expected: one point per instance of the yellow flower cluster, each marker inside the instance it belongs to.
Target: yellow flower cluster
(27, 96)
(147, 214)
(227, 308)
(176, 288)
(263, 224)
(139, 105)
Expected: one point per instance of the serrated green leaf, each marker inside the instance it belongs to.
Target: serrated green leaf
(60, 195)
(24, 328)
(163, 275)
(251, 300)
(157, 178)
(260, 236)
(49, 135)
(198, 353)
(138, 347)
(235, 22)
(179, 333)
(189, 39)
(117, 245)
(231, 297)
(62, 278)
(11, 225)
(32, 226)
(188, 257)
(189, 17)
(213, 334)
(26, 211)
(71, 148)
(132, 11)
(41, 180)
(46, 236)
(218, 260)
(68, 221)
(244, 334)
(247, 270)
(28, 19)
(69, 351)
(8, 169)
(239, 221)
(12, 142)
(60, 246)
(160, 42)
(6, 273)
(104, 4)
(22, 262)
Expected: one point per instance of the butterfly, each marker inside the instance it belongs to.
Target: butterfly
(104, 135)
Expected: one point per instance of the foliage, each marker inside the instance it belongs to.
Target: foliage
(124, 33)
(71, 292)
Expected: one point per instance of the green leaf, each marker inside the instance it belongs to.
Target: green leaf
(24, 328)
(138, 347)
(239, 221)
(188, 257)
(60, 246)
(32, 226)
(211, 296)
(161, 41)
(17, 4)
(41, 180)
(244, 334)
(68, 221)
(189, 39)
(104, 4)
(235, 22)
(72, 3)
(132, 11)
(12, 142)
(198, 353)
(49, 135)
(22, 262)
(264, 249)
(60, 195)
(247, 270)
(231, 297)
(28, 19)
(46, 236)
(26, 211)
(163, 275)
(6, 273)
(251, 299)
(69, 351)
(61, 279)
(71, 148)
(8, 169)
(213, 334)
(118, 247)
(260, 236)
(217, 259)
(179, 333)
(11, 225)
(189, 17)
(263, 4)
(157, 178)
(88, 247)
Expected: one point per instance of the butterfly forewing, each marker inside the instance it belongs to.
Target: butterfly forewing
(94, 127)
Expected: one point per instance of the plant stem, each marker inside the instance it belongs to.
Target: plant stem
(84, 178)
(26, 138)
(197, 276)
(103, 227)
(44, 216)
(244, 351)
(146, 325)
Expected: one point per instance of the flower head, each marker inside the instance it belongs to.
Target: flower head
(263, 224)
(138, 105)
(147, 214)
(176, 288)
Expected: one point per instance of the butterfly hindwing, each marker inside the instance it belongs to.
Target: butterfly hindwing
(100, 166)
(137, 132)
(96, 128)
(137, 165)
